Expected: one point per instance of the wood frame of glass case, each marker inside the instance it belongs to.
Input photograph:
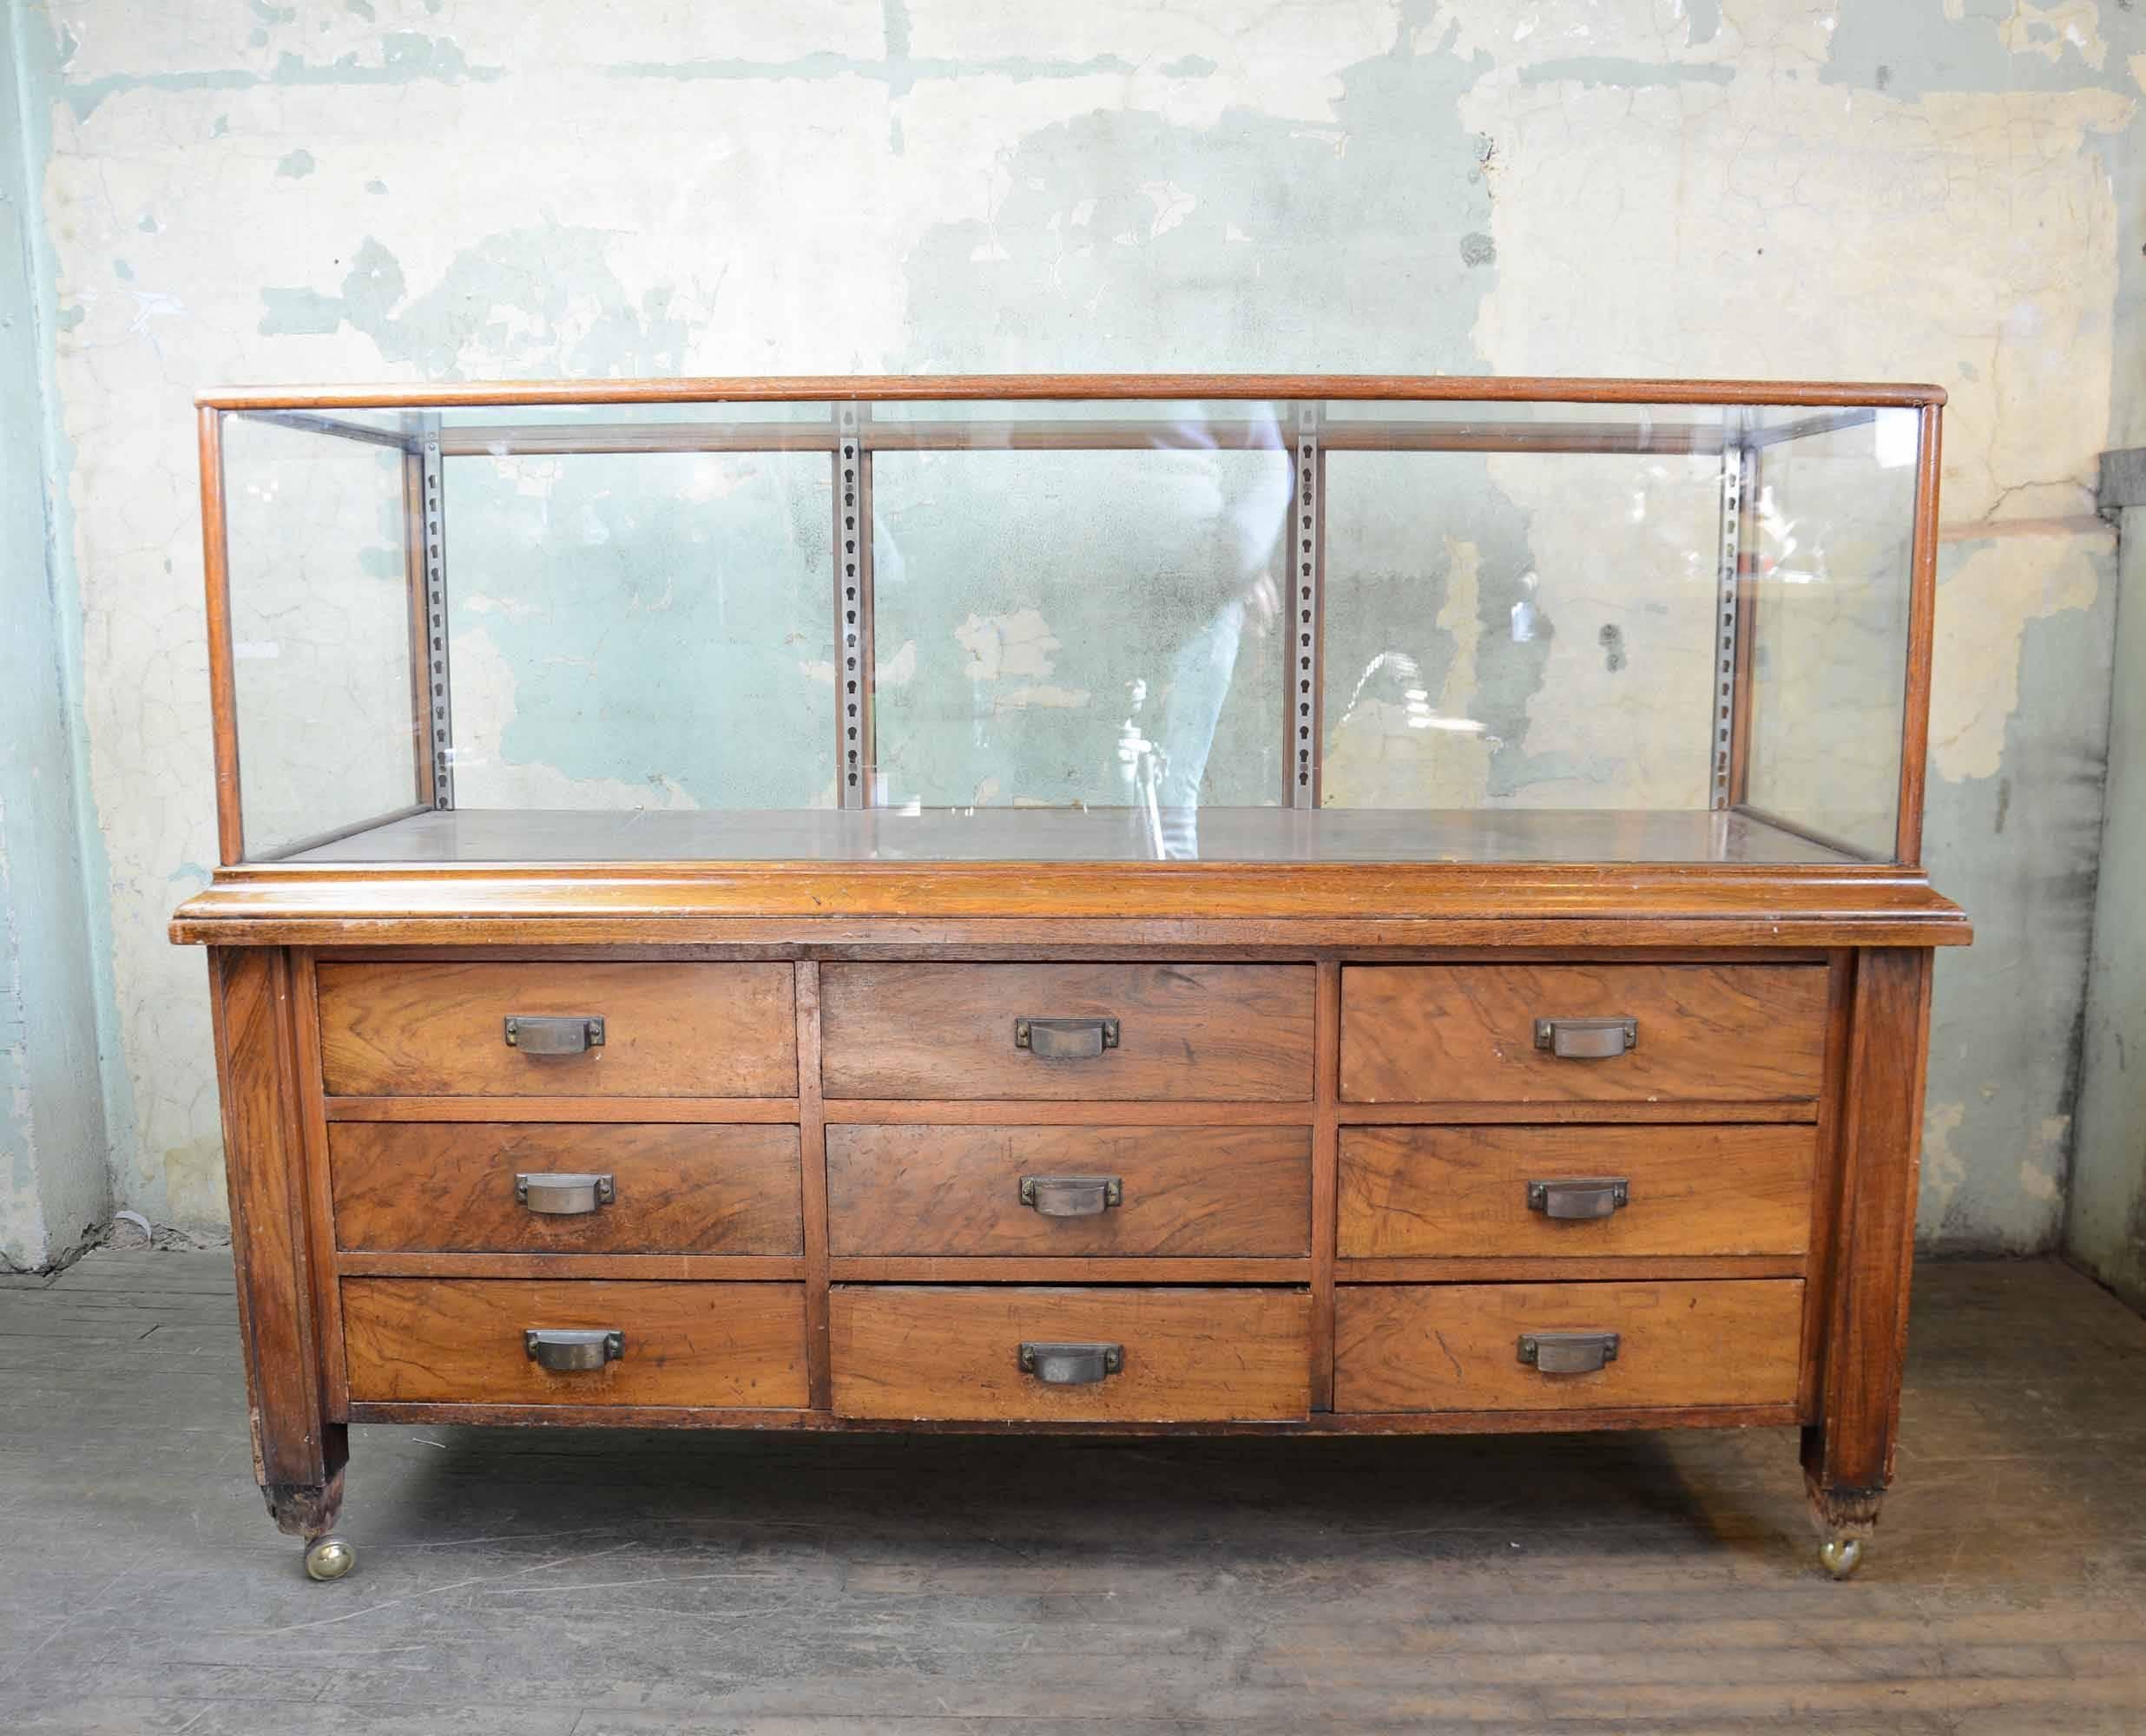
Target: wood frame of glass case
(1624, 1092)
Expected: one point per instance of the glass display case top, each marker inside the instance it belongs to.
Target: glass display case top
(1235, 621)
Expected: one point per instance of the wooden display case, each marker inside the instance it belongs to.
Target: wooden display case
(1211, 1068)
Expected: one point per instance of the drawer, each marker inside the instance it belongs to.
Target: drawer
(1468, 1033)
(1183, 1355)
(448, 1186)
(1474, 1191)
(975, 1190)
(670, 1030)
(1217, 1032)
(461, 1340)
(1457, 1347)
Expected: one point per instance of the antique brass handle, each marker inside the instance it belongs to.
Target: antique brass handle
(1587, 1039)
(1071, 1196)
(1568, 1353)
(563, 1195)
(1580, 1197)
(535, 1034)
(1072, 1365)
(564, 1350)
(1065, 1039)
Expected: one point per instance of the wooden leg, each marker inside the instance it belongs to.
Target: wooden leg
(1847, 1453)
(310, 1510)
(298, 1451)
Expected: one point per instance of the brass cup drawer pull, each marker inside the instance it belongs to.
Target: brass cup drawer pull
(567, 1350)
(1071, 1196)
(1592, 1039)
(561, 1194)
(1065, 1039)
(543, 1034)
(1580, 1198)
(1072, 1365)
(1568, 1353)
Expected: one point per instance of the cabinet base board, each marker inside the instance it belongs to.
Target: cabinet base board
(1393, 1423)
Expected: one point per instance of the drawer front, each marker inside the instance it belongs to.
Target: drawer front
(1184, 1355)
(1467, 1032)
(438, 1340)
(1457, 1347)
(972, 1190)
(545, 1187)
(1494, 1191)
(670, 1030)
(1123, 1032)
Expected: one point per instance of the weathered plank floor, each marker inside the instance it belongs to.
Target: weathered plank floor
(572, 1584)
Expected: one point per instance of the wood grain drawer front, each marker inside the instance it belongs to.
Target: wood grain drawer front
(1467, 1032)
(447, 1341)
(1214, 1032)
(981, 1190)
(955, 1354)
(670, 1030)
(1461, 1192)
(1457, 1347)
(447, 1187)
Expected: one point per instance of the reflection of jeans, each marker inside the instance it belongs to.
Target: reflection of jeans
(1200, 681)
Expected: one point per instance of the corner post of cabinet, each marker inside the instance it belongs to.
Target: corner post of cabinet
(1848, 1449)
(299, 1452)
(1922, 610)
(223, 699)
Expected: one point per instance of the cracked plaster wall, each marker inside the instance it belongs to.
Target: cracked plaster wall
(407, 190)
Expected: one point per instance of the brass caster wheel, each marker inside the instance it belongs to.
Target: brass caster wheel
(1841, 1555)
(329, 1558)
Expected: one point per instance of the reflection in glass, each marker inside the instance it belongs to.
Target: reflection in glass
(1522, 630)
(1834, 522)
(320, 631)
(1082, 628)
(643, 630)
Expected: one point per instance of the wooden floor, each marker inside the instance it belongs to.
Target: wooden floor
(572, 1584)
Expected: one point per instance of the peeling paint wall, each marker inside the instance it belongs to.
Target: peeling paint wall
(54, 1189)
(410, 189)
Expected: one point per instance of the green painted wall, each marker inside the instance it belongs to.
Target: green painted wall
(54, 1188)
(2105, 1226)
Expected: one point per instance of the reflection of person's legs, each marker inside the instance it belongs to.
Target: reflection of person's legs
(1200, 680)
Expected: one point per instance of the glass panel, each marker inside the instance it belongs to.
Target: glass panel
(983, 424)
(1242, 834)
(1834, 534)
(1079, 607)
(633, 630)
(1456, 424)
(1521, 630)
(1066, 627)
(320, 630)
(651, 418)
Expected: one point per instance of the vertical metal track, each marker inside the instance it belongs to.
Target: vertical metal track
(435, 522)
(1729, 575)
(852, 613)
(1306, 561)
